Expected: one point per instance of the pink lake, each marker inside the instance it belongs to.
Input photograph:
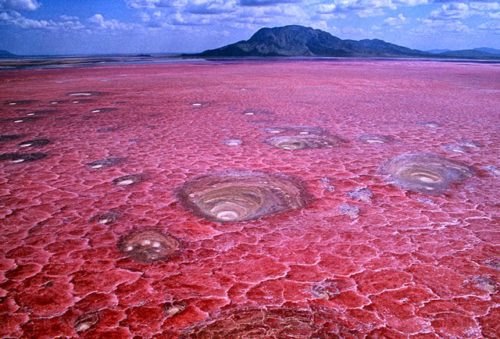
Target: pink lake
(311, 239)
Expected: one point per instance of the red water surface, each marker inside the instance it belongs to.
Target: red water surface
(391, 264)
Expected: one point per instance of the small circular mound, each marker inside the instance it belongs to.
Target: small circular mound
(233, 142)
(103, 163)
(106, 218)
(22, 157)
(305, 141)
(19, 102)
(267, 323)
(425, 172)
(376, 139)
(21, 119)
(86, 321)
(34, 143)
(146, 246)
(299, 130)
(429, 124)
(128, 180)
(241, 195)
(84, 94)
(257, 111)
(103, 110)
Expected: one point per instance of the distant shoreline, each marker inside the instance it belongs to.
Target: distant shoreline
(88, 61)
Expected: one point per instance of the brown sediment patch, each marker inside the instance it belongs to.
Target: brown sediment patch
(146, 246)
(268, 322)
(108, 162)
(34, 143)
(22, 157)
(376, 139)
(10, 137)
(299, 142)
(242, 195)
(425, 172)
(128, 180)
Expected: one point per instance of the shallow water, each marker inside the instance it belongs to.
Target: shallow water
(320, 241)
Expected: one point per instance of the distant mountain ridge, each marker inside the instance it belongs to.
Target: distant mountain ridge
(300, 41)
(6, 54)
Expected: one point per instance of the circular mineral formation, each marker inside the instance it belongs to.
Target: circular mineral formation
(19, 102)
(84, 94)
(22, 157)
(233, 142)
(103, 110)
(430, 124)
(241, 195)
(86, 321)
(425, 172)
(128, 180)
(266, 323)
(376, 139)
(296, 130)
(106, 218)
(34, 143)
(299, 142)
(146, 246)
(103, 163)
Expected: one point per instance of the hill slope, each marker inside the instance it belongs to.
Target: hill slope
(297, 40)
(6, 54)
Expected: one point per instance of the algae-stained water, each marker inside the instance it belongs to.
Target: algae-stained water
(251, 199)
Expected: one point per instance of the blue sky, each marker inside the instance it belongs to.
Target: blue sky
(150, 26)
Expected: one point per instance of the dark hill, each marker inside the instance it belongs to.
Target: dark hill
(6, 54)
(297, 40)
(476, 53)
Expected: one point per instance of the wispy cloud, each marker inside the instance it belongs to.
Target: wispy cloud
(19, 5)
(112, 24)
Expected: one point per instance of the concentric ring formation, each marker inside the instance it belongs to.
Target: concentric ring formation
(146, 246)
(376, 139)
(242, 195)
(425, 172)
(301, 137)
(268, 323)
(298, 142)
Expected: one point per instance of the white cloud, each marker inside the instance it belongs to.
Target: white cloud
(454, 26)
(490, 26)
(396, 21)
(153, 3)
(112, 24)
(454, 10)
(363, 8)
(64, 22)
(19, 5)
(485, 6)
